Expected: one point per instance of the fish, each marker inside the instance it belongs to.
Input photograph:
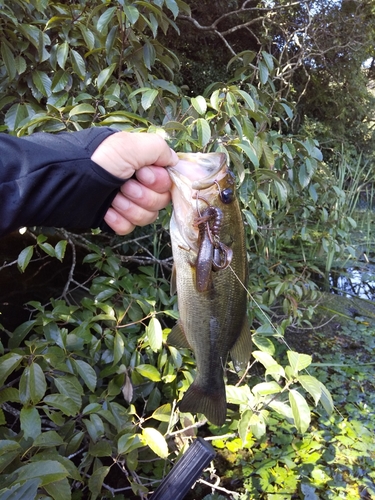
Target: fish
(210, 276)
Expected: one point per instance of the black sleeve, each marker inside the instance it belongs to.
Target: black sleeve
(50, 180)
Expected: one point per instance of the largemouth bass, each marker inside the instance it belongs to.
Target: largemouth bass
(208, 244)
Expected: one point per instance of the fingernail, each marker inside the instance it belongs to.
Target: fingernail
(110, 216)
(133, 189)
(175, 158)
(148, 176)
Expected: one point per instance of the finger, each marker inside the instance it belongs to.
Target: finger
(124, 152)
(134, 213)
(155, 178)
(118, 223)
(143, 196)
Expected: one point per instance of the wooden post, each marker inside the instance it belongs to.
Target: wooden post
(185, 472)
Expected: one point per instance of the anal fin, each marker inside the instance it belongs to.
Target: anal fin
(177, 337)
(241, 351)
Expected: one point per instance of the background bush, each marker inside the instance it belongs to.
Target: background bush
(89, 385)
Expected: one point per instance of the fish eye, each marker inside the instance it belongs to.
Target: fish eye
(226, 195)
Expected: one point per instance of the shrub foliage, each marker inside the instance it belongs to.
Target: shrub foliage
(89, 385)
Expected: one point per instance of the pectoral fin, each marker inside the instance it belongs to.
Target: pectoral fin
(177, 337)
(241, 351)
(173, 280)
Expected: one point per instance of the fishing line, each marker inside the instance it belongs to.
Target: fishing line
(271, 324)
(261, 310)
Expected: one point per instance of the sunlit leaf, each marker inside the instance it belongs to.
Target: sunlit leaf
(155, 334)
(149, 371)
(300, 410)
(156, 441)
(298, 361)
(163, 413)
(312, 386)
(199, 104)
(148, 98)
(203, 131)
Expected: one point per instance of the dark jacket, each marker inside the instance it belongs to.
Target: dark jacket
(50, 180)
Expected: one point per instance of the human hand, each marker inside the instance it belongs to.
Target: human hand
(139, 200)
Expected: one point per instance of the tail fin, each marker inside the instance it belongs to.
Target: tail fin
(212, 404)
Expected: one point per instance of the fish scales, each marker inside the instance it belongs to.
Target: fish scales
(213, 322)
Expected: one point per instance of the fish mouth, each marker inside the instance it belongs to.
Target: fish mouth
(200, 170)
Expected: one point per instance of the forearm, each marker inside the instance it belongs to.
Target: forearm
(50, 180)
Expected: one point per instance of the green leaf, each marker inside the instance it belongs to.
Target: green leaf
(105, 19)
(30, 421)
(149, 371)
(298, 361)
(156, 441)
(25, 257)
(257, 425)
(263, 357)
(173, 7)
(48, 249)
(96, 480)
(88, 36)
(70, 387)
(62, 403)
(300, 410)
(60, 248)
(62, 54)
(251, 220)
(250, 152)
(59, 490)
(263, 72)
(47, 470)
(48, 439)
(268, 59)
(155, 334)
(100, 449)
(312, 386)
(243, 425)
(148, 98)
(199, 104)
(8, 363)
(15, 115)
(118, 348)
(104, 76)
(163, 413)
(42, 82)
(8, 59)
(87, 373)
(27, 490)
(20, 333)
(203, 131)
(128, 443)
(78, 64)
(131, 13)
(82, 109)
(247, 98)
(265, 388)
(265, 345)
(33, 384)
(326, 399)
